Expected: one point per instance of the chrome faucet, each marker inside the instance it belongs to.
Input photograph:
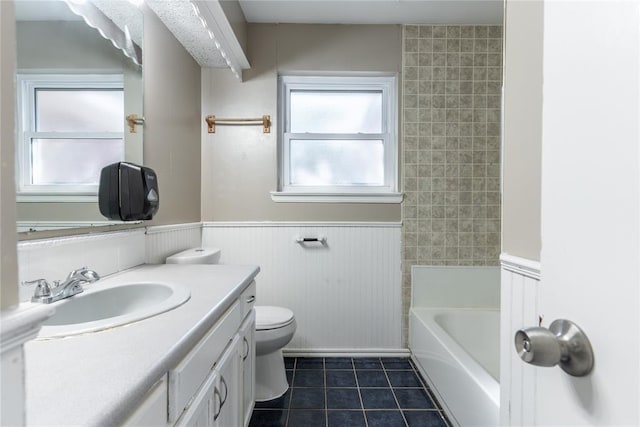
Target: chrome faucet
(46, 294)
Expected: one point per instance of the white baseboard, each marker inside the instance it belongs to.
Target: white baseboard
(349, 352)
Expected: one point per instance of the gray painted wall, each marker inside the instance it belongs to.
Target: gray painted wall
(239, 164)
(66, 45)
(172, 127)
(522, 129)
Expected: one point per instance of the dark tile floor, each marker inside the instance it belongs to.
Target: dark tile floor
(351, 392)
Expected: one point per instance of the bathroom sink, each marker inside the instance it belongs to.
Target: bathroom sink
(98, 309)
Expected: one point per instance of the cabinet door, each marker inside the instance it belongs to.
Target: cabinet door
(205, 403)
(228, 372)
(247, 335)
(187, 377)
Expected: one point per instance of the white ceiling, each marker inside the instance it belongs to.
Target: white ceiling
(373, 11)
(179, 16)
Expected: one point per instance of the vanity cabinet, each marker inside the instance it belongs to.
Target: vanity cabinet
(214, 383)
(153, 409)
(247, 334)
(217, 403)
(191, 365)
(227, 406)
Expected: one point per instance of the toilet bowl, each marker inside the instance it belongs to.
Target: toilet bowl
(275, 327)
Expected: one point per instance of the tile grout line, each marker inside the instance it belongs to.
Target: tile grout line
(384, 369)
(436, 403)
(326, 396)
(355, 374)
(411, 368)
(293, 377)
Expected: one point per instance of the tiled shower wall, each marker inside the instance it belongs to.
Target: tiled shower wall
(451, 113)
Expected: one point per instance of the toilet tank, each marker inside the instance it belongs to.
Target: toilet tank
(195, 256)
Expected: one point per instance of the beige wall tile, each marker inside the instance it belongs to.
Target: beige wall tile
(451, 212)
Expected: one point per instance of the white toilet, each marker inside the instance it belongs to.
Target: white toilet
(275, 327)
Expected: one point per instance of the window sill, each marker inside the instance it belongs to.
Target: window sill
(56, 198)
(294, 197)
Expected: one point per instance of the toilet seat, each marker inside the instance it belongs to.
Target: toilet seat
(270, 317)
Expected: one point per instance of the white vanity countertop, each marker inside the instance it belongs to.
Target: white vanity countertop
(99, 378)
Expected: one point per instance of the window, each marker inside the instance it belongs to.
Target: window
(70, 127)
(338, 139)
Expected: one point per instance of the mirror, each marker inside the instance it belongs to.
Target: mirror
(79, 75)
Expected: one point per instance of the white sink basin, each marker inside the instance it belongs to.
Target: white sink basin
(98, 309)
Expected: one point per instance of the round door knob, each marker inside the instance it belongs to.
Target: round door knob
(538, 346)
(564, 344)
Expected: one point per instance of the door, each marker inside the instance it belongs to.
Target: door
(590, 225)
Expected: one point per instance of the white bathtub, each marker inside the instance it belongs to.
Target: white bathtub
(457, 351)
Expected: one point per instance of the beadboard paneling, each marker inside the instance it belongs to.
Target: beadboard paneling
(53, 259)
(166, 240)
(345, 294)
(519, 307)
(106, 253)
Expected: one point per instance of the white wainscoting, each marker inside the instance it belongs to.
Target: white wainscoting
(346, 294)
(165, 240)
(106, 253)
(52, 259)
(519, 308)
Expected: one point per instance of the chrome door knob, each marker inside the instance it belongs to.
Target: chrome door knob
(564, 344)
(538, 346)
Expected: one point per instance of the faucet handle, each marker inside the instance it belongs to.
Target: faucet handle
(43, 289)
(85, 274)
(74, 273)
(90, 275)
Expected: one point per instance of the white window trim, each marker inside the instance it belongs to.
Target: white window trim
(299, 197)
(27, 83)
(386, 193)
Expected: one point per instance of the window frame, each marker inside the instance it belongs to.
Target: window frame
(385, 193)
(27, 84)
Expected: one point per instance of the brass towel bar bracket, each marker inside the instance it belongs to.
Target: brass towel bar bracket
(133, 120)
(212, 121)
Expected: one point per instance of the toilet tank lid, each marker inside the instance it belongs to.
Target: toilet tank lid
(271, 317)
(195, 256)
